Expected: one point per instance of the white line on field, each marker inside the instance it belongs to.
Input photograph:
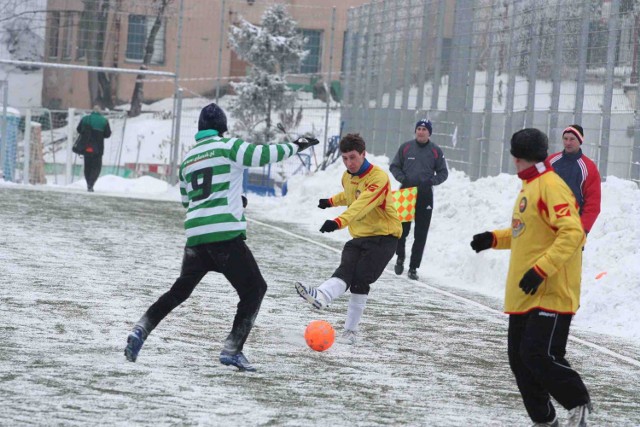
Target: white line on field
(468, 301)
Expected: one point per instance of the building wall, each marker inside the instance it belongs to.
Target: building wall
(199, 49)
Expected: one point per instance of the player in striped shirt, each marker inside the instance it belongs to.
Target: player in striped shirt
(211, 188)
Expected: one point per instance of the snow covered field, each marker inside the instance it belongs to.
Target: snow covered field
(79, 269)
(462, 209)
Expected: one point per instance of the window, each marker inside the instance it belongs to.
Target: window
(54, 33)
(313, 44)
(83, 36)
(138, 31)
(67, 35)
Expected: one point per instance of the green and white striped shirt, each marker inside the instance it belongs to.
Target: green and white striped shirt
(211, 184)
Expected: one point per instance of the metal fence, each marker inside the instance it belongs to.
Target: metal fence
(480, 70)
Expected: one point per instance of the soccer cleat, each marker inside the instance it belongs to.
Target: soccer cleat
(399, 267)
(553, 423)
(134, 343)
(238, 360)
(312, 295)
(578, 415)
(349, 336)
(413, 274)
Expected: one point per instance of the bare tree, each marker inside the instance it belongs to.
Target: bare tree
(93, 23)
(22, 30)
(138, 89)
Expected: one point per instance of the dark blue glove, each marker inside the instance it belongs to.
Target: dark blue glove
(482, 241)
(244, 201)
(329, 226)
(530, 282)
(427, 181)
(324, 203)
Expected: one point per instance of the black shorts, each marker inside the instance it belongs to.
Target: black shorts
(363, 261)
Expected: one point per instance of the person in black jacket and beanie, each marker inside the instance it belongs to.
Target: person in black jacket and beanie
(94, 128)
(418, 163)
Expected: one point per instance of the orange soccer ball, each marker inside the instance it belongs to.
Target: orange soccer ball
(319, 335)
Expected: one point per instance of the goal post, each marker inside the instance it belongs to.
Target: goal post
(164, 75)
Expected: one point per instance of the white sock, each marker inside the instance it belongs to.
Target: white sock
(357, 302)
(333, 288)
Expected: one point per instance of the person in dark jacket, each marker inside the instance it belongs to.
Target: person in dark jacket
(94, 128)
(418, 163)
(580, 174)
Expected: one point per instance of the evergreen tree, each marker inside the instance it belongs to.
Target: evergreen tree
(273, 49)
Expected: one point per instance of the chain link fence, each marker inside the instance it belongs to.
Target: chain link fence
(480, 70)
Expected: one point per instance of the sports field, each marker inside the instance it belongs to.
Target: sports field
(79, 269)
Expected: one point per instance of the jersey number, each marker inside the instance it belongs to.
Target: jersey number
(201, 180)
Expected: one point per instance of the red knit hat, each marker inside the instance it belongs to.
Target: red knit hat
(577, 131)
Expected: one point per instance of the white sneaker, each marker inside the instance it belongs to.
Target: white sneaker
(312, 295)
(578, 415)
(349, 336)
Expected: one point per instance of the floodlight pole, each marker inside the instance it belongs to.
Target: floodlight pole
(328, 95)
(5, 101)
(220, 49)
(177, 106)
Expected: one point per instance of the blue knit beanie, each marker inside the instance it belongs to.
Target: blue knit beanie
(426, 123)
(212, 117)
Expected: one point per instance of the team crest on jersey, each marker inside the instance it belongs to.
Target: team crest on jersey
(372, 187)
(523, 204)
(562, 210)
(357, 193)
(517, 226)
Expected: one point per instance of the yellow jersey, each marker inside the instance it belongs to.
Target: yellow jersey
(370, 210)
(545, 234)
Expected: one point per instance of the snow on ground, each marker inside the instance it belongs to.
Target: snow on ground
(463, 208)
(426, 357)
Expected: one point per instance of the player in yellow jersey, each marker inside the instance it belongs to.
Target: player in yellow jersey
(373, 223)
(543, 283)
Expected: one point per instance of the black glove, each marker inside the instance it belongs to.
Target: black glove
(305, 143)
(530, 282)
(329, 226)
(324, 203)
(482, 241)
(244, 201)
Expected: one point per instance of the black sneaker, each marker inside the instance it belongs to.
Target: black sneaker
(134, 343)
(413, 274)
(238, 360)
(399, 267)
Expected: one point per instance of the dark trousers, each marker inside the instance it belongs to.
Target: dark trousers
(363, 261)
(92, 168)
(537, 346)
(424, 210)
(233, 259)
